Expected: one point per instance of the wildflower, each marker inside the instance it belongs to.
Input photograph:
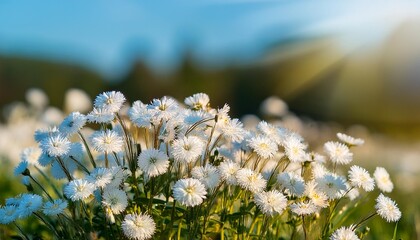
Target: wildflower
(359, 177)
(232, 129)
(138, 226)
(29, 203)
(110, 101)
(107, 141)
(79, 189)
(270, 203)
(57, 169)
(162, 109)
(100, 177)
(303, 208)
(250, 180)
(187, 149)
(118, 176)
(31, 155)
(349, 140)
(115, 199)
(153, 162)
(208, 175)
(99, 115)
(293, 182)
(140, 115)
(55, 207)
(387, 209)
(270, 131)
(21, 168)
(383, 180)
(331, 185)
(72, 123)
(198, 101)
(295, 148)
(344, 233)
(189, 192)
(263, 146)
(228, 171)
(8, 214)
(55, 145)
(338, 152)
(319, 198)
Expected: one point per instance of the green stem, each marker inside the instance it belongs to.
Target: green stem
(92, 160)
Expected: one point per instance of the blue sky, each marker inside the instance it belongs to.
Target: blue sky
(107, 35)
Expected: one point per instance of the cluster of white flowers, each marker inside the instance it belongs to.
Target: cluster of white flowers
(166, 154)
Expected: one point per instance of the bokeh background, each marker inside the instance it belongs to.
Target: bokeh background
(317, 67)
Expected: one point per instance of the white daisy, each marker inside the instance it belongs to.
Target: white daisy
(187, 149)
(115, 199)
(228, 171)
(271, 202)
(79, 189)
(351, 141)
(55, 145)
(153, 162)
(140, 115)
(107, 141)
(189, 192)
(294, 148)
(8, 214)
(383, 180)
(232, 129)
(319, 198)
(72, 123)
(198, 101)
(138, 226)
(100, 177)
(270, 131)
(31, 155)
(293, 182)
(29, 203)
(359, 177)
(110, 101)
(118, 176)
(55, 207)
(331, 185)
(344, 233)
(263, 146)
(99, 115)
(338, 152)
(387, 209)
(303, 208)
(162, 109)
(250, 180)
(208, 175)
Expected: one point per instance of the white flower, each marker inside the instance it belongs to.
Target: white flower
(344, 233)
(228, 171)
(331, 184)
(187, 149)
(270, 203)
(115, 199)
(140, 115)
(351, 141)
(189, 192)
(198, 101)
(99, 115)
(295, 148)
(8, 214)
(138, 226)
(79, 189)
(100, 177)
(20, 168)
(232, 129)
(107, 141)
(292, 182)
(29, 203)
(163, 109)
(303, 208)
(118, 176)
(338, 152)
(110, 101)
(208, 175)
(263, 146)
(319, 198)
(153, 162)
(72, 123)
(250, 180)
(359, 177)
(55, 207)
(55, 145)
(387, 209)
(270, 131)
(31, 155)
(383, 180)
